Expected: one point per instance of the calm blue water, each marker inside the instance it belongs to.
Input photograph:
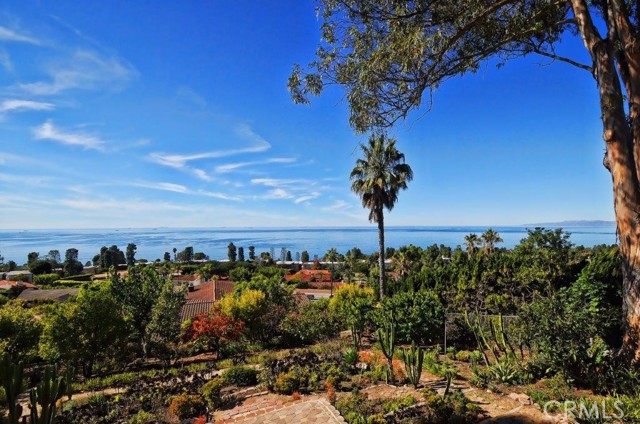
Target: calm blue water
(152, 243)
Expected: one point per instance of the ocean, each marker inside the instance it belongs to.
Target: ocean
(153, 242)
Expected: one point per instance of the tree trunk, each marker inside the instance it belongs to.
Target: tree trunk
(622, 140)
(380, 220)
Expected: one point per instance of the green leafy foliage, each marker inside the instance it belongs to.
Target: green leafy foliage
(240, 376)
(19, 331)
(419, 316)
(211, 391)
(86, 330)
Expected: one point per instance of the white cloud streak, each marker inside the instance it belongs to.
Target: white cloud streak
(245, 132)
(19, 105)
(84, 70)
(7, 34)
(179, 188)
(48, 131)
(221, 169)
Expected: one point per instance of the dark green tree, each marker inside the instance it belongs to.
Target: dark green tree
(165, 327)
(304, 257)
(54, 257)
(378, 178)
(71, 264)
(137, 294)
(186, 255)
(86, 331)
(131, 254)
(232, 252)
(32, 257)
(241, 254)
(167, 257)
(252, 253)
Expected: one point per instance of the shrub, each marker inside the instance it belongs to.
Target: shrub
(454, 408)
(45, 279)
(568, 330)
(504, 372)
(418, 315)
(463, 356)
(286, 383)
(187, 406)
(143, 417)
(241, 376)
(211, 392)
(350, 357)
(480, 378)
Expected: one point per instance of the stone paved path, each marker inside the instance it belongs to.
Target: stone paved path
(275, 409)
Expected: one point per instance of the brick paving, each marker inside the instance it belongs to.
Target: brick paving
(274, 409)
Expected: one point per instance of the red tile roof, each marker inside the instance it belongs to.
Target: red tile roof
(210, 291)
(194, 308)
(6, 284)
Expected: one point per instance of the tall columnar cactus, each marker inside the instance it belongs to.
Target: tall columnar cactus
(387, 338)
(45, 395)
(69, 373)
(413, 360)
(11, 379)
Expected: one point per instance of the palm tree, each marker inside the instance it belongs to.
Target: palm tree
(490, 238)
(331, 256)
(401, 264)
(471, 241)
(377, 179)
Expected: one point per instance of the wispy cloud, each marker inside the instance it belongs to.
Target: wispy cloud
(179, 188)
(84, 70)
(278, 193)
(221, 169)
(337, 205)
(7, 34)
(245, 132)
(175, 188)
(5, 61)
(18, 105)
(48, 131)
(277, 182)
(306, 198)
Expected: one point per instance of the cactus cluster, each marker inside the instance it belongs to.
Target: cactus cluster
(11, 379)
(413, 360)
(387, 338)
(44, 396)
(496, 341)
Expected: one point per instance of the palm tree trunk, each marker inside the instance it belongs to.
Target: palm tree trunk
(380, 219)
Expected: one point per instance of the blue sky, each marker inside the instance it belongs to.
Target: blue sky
(146, 114)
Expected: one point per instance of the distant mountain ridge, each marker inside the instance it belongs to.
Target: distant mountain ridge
(574, 223)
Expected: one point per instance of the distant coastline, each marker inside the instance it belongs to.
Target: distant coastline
(152, 243)
(575, 223)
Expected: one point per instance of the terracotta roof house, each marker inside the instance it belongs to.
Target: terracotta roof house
(187, 279)
(201, 297)
(6, 285)
(59, 295)
(27, 276)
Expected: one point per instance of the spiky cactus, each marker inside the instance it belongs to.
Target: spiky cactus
(387, 338)
(45, 395)
(413, 360)
(69, 373)
(11, 378)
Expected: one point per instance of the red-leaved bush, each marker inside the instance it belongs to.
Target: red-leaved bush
(215, 329)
